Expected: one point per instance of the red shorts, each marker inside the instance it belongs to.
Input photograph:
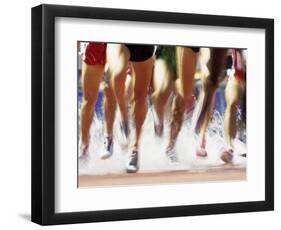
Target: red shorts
(239, 71)
(95, 53)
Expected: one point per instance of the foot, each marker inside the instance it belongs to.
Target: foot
(84, 152)
(124, 126)
(108, 148)
(171, 154)
(132, 165)
(201, 151)
(227, 155)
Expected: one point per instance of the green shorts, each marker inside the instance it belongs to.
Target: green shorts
(168, 54)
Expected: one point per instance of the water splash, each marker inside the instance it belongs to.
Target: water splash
(152, 148)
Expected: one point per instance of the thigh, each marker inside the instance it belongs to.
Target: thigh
(91, 77)
(204, 57)
(233, 91)
(162, 76)
(216, 65)
(117, 56)
(186, 65)
(142, 74)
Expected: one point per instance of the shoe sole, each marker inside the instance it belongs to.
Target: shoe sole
(104, 157)
(201, 155)
(132, 170)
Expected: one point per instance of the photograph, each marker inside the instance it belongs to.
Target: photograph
(140, 114)
(151, 114)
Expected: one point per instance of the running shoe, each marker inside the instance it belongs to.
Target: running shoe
(132, 165)
(227, 155)
(172, 155)
(108, 148)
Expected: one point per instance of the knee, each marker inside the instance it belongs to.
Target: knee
(89, 96)
(210, 84)
(118, 77)
(140, 93)
(182, 95)
(160, 96)
(106, 90)
(88, 102)
(140, 99)
(232, 106)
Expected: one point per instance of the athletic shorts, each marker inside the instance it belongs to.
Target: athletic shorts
(195, 49)
(168, 54)
(238, 65)
(139, 53)
(95, 53)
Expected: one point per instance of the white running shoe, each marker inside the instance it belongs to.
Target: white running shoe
(172, 155)
(108, 148)
(132, 165)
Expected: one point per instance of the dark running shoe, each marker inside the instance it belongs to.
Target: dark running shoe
(172, 155)
(227, 155)
(132, 165)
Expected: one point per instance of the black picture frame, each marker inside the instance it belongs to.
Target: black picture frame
(43, 114)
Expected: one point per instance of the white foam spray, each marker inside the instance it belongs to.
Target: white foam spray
(152, 149)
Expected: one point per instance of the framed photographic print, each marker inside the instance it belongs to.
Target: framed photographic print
(143, 114)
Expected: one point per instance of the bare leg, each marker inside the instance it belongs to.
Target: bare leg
(91, 76)
(207, 116)
(207, 95)
(142, 73)
(117, 57)
(186, 63)
(109, 105)
(162, 85)
(233, 94)
(128, 89)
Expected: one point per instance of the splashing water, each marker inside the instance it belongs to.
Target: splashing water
(152, 149)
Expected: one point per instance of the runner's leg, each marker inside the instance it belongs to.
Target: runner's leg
(162, 86)
(186, 64)
(118, 56)
(91, 77)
